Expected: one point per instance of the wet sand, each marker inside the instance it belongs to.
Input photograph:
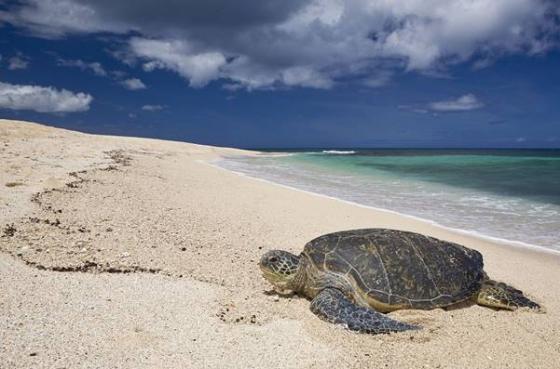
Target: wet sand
(137, 253)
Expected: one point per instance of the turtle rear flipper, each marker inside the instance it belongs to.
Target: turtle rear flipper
(332, 306)
(502, 296)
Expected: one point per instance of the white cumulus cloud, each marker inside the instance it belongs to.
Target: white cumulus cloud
(152, 107)
(198, 67)
(133, 84)
(42, 99)
(463, 103)
(18, 61)
(95, 67)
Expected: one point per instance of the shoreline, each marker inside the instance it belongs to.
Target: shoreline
(469, 233)
(141, 253)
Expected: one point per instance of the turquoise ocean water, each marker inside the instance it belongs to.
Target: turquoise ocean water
(508, 194)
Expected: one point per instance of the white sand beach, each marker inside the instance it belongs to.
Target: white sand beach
(123, 252)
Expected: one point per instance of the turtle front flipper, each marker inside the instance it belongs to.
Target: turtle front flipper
(332, 306)
(502, 296)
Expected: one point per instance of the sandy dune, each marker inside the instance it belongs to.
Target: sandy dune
(135, 253)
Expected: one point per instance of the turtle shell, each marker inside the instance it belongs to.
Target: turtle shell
(398, 269)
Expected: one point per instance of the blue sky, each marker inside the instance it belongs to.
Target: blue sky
(298, 73)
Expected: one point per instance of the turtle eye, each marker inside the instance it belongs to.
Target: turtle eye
(273, 259)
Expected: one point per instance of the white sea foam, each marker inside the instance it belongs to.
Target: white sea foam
(505, 220)
(339, 152)
(274, 154)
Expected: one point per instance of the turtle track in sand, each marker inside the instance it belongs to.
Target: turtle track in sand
(17, 238)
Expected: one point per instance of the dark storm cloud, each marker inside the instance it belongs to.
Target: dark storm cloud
(184, 15)
(309, 43)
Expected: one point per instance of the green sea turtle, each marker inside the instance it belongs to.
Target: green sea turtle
(355, 276)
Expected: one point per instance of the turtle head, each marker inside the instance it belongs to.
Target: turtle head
(280, 269)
